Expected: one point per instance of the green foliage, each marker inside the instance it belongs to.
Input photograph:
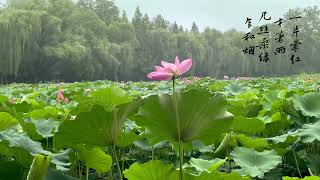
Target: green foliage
(158, 170)
(151, 170)
(248, 125)
(108, 128)
(202, 116)
(256, 143)
(305, 178)
(310, 132)
(39, 167)
(206, 165)
(308, 104)
(217, 175)
(95, 158)
(96, 127)
(16, 139)
(46, 128)
(7, 121)
(110, 97)
(89, 40)
(254, 163)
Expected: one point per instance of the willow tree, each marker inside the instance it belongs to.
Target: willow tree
(17, 27)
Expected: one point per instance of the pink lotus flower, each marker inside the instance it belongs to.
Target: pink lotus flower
(226, 77)
(60, 96)
(168, 70)
(66, 100)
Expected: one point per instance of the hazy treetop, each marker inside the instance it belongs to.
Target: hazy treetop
(219, 14)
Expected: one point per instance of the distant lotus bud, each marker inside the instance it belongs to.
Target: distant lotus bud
(12, 101)
(66, 100)
(87, 92)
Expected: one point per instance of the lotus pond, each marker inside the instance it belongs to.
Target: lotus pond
(263, 128)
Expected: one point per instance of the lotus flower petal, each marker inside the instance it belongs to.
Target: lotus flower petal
(176, 61)
(170, 67)
(159, 68)
(156, 75)
(184, 66)
(60, 96)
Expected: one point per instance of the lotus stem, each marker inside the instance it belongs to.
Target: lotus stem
(295, 158)
(80, 171)
(117, 161)
(87, 173)
(178, 124)
(310, 172)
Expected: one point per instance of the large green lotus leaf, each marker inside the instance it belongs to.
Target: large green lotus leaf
(252, 109)
(271, 100)
(248, 96)
(248, 125)
(288, 108)
(84, 104)
(236, 107)
(61, 160)
(46, 128)
(17, 139)
(313, 162)
(276, 173)
(45, 113)
(254, 163)
(227, 141)
(287, 138)
(29, 127)
(40, 127)
(3, 99)
(308, 104)
(11, 170)
(7, 121)
(235, 88)
(23, 107)
(152, 170)
(283, 142)
(53, 174)
(218, 86)
(95, 158)
(201, 116)
(249, 142)
(97, 127)
(18, 154)
(276, 124)
(310, 132)
(39, 167)
(21, 156)
(16, 165)
(110, 97)
(206, 165)
(305, 178)
(127, 139)
(4, 149)
(200, 146)
(216, 175)
(145, 145)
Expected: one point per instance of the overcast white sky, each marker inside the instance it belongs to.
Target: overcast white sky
(220, 14)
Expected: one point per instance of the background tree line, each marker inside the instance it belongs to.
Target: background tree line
(43, 40)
